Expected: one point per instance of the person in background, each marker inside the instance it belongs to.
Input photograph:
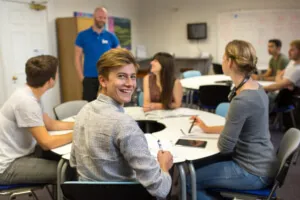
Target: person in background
(23, 125)
(277, 63)
(91, 44)
(161, 89)
(108, 145)
(245, 134)
(290, 77)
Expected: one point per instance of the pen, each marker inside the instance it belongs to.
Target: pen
(192, 125)
(159, 145)
(182, 132)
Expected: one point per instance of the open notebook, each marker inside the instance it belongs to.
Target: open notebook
(152, 141)
(179, 112)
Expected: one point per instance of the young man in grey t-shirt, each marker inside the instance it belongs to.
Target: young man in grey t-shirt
(23, 125)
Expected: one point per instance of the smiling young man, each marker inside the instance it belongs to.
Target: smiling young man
(108, 145)
(23, 125)
(91, 44)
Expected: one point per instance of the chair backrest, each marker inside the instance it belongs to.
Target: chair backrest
(288, 145)
(222, 109)
(77, 190)
(217, 68)
(141, 99)
(191, 73)
(68, 109)
(212, 95)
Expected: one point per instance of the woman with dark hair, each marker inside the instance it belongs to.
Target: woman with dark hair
(161, 89)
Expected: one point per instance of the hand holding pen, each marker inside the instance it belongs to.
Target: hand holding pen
(195, 118)
(199, 122)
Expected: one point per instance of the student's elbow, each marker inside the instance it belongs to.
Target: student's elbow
(47, 145)
(224, 149)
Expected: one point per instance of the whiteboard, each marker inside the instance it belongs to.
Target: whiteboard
(258, 27)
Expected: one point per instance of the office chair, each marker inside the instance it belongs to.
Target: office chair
(68, 109)
(222, 109)
(15, 190)
(210, 96)
(217, 68)
(287, 154)
(77, 190)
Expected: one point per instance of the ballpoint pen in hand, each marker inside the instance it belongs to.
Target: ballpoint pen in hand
(192, 125)
(159, 145)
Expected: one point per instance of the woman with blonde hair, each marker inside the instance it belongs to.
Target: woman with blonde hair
(245, 134)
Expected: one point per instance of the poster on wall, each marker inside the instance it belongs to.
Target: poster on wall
(117, 25)
(122, 28)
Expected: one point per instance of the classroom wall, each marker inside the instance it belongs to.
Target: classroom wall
(163, 24)
(65, 8)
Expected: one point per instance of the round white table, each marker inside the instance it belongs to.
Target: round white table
(177, 124)
(191, 84)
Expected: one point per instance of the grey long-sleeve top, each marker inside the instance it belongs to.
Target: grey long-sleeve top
(246, 134)
(108, 145)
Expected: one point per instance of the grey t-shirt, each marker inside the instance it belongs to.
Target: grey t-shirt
(20, 111)
(292, 73)
(246, 134)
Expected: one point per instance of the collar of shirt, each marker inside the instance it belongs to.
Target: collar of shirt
(106, 99)
(94, 32)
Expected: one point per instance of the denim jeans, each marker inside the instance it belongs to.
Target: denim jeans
(228, 175)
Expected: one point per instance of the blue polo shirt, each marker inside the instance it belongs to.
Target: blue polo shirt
(93, 46)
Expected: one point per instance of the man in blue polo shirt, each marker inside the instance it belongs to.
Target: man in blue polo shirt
(91, 44)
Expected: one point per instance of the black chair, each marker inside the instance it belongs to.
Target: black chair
(75, 190)
(284, 104)
(217, 68)
(210, 96)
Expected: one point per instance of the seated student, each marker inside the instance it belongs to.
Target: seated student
(245, 134)
(161, 89)
(277, 63)
(290, 77)
(23, 125)
(108, 145)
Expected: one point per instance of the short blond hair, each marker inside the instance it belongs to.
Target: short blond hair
(296, 43)
(100, 8)
(114, 58)
(243, 54)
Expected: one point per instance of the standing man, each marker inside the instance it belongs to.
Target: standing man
(277, 63)
(91, 44)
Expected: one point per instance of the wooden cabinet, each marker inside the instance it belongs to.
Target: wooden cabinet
(67, 30)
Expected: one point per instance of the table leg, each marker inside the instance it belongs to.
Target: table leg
(191, 98)
(193, 181)
(183, 180)
(59, 168)
(187, 99)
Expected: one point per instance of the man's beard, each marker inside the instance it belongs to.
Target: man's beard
(99, 25)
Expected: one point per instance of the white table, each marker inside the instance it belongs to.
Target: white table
(194, 83)
(174, 121)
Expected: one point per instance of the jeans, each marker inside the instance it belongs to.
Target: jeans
(227, 175)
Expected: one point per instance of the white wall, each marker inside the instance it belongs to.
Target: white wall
(163, 26)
